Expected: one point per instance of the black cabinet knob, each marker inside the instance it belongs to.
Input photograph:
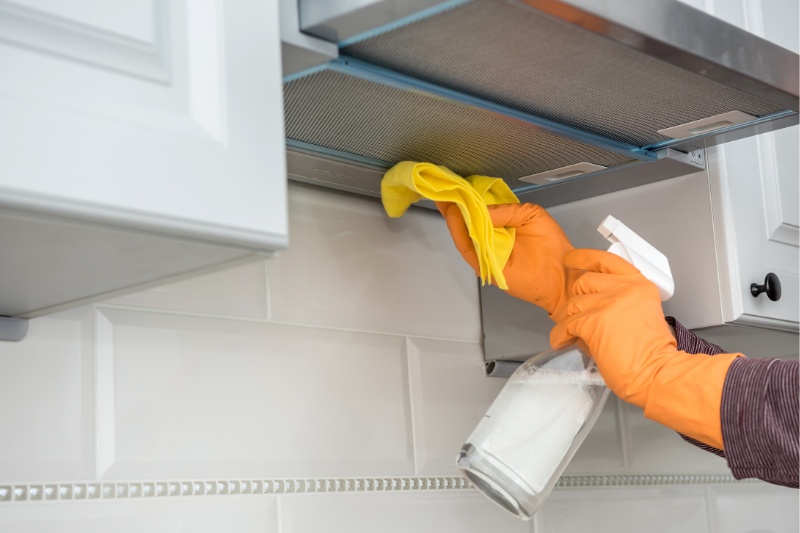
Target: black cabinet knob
(772, 286)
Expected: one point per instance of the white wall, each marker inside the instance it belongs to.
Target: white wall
(326, 390)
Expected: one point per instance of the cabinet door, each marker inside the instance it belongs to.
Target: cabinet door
(162, 115)
(755, 185)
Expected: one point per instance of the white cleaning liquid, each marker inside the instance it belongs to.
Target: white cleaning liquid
(533, 442)
(533, 428)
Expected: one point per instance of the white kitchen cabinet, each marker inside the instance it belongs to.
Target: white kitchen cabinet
(755, 195)
(139, 140)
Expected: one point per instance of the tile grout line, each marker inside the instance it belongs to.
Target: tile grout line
(95, 396)
(412, 407)
(188, 314)
(711, 510)
(623, 431)
(267, 293)
(279, 514)
(104, 394)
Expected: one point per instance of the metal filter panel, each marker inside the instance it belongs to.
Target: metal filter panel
(512, 55)
(346, 113)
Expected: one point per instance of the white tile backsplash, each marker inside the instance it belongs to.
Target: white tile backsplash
(46, 416)
(654, 510)
(450, 394)
(241, 515)
(656, 449)
(350, 266)
(353, 362)
(442, 512)
(236, 292)
(198, 397)
(756, 508)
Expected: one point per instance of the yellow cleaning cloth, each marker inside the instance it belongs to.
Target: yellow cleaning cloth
(408, 182)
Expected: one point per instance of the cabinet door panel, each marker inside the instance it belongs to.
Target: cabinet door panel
(778, 22)
(781, 191)
(120, 36)
(128, 18)
(759, 249)
(159, 114)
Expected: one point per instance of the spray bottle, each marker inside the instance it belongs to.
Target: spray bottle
(540, 418)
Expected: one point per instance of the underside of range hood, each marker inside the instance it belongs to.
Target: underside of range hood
(543, 94)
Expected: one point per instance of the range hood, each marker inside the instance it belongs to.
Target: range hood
(562, 99)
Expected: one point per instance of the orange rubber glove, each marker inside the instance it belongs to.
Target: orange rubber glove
(617, 312)
(535, 269)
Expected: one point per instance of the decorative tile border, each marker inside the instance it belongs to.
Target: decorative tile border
(640, 480)
(161, 489)
(43, 492)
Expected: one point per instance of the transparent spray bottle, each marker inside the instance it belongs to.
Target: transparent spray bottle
(540, 418)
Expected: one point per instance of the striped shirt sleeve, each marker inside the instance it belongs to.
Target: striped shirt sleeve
(760, 420)
(759, 414)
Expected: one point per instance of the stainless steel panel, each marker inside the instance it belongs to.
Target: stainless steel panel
(515, 56)
(678, 34)
(298, 50)
(665, 29)
(327, 171)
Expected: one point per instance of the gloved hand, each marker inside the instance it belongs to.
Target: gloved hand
(617, 312)
(534, 271)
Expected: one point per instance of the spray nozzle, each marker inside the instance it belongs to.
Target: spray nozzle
(651, 263)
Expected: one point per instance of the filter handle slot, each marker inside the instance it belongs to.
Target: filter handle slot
(704, 125)
(562, 173)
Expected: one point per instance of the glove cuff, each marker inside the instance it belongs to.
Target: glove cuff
(686, 395)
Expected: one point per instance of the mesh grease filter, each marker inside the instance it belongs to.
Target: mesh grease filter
(347, 113)
(513, 56)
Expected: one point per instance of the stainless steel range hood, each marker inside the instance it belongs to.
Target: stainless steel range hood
(562, 99)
